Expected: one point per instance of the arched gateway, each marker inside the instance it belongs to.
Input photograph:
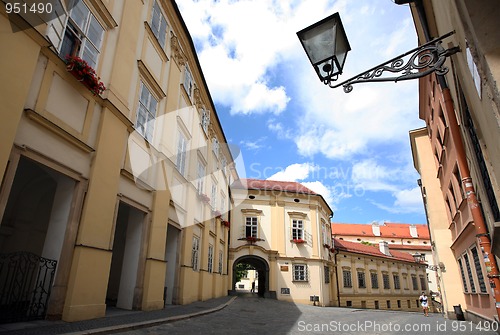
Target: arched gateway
(262, 268)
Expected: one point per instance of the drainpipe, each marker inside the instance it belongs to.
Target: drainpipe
(337, 275)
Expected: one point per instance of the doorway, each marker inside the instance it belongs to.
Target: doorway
(125, 260)
(261, 268)
(32, 233)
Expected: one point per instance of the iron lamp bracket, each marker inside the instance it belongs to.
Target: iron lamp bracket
(416, 63)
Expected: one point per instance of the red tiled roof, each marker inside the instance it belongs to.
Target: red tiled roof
(272, 185)
(388, 230)
(371, 250)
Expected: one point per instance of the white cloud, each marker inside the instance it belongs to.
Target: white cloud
(294, 172)
(407, 201)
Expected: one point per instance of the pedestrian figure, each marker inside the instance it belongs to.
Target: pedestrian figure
(253, 287)
(424, 302)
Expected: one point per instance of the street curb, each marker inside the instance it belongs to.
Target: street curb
(150, 323)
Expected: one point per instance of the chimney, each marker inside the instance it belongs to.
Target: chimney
(413, 231)
(384, 248)
(375, 228)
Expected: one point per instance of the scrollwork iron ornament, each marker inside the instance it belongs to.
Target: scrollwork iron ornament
(423, 60)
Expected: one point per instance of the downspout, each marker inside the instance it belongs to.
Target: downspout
(320, 249)
(336, 274)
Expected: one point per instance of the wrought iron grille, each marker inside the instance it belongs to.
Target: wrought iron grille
(25, 285)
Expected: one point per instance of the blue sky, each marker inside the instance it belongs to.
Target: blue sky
(352, 148)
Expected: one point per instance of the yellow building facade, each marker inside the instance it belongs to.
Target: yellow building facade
(378, 277)
(282, 230)
(121, 192)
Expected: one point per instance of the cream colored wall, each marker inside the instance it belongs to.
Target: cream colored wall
(275, 213)
(354, 262)
(437, 216)
(88, 136)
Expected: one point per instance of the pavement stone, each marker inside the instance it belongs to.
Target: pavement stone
(118, 320)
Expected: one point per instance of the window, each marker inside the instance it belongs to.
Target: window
(327, 275)
(408, 302)
(376, 304)
(361, 280)
(223, 165)
(300, 272)
(222, 204)
(348, 303)
(297, 229)
(205, 120)
(200, 177)
(385, 278)
(214, 196)
(397, 284)
(414, 283)
(146, 113)
(388, 304)
(479, 270)
(251, 226)
(462, 272)
(215, 146)
(210, 258)
(83, 35)
(195, 253)
(221, 260)
(473, 71)
(346, 274)
(423, 283)
(399, 303)
(181, 152)
(374, 279)
(469, 272)
(188, 81)
(158, 24)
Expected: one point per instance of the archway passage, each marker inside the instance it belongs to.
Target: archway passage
(262, 273)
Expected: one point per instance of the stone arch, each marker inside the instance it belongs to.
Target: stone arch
(262, 267)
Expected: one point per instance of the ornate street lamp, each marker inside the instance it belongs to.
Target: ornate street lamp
(419, 258)
(326, 45)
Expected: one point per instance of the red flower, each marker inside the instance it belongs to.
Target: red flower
(85, 73)
(298, 241)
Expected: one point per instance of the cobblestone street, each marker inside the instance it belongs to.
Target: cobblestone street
(265, 316)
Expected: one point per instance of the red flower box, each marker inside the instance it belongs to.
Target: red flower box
(225, 223)
(204, 198)
(83, 72)
(298, 241)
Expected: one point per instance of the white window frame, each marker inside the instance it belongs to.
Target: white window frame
(210, 268)
(145, 116)
(81, 28)
(200, 182)
(251, 226)
(300, 272)
(188, 81)
(222, 203)
(221, 261)
(213, 197)
(205, 120)
(182, 147)
(298, 229)
(158, 24)
(195, 252)
(215, 146)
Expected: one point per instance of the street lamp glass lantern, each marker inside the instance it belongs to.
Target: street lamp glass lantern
(418, 257)
(325, 43)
